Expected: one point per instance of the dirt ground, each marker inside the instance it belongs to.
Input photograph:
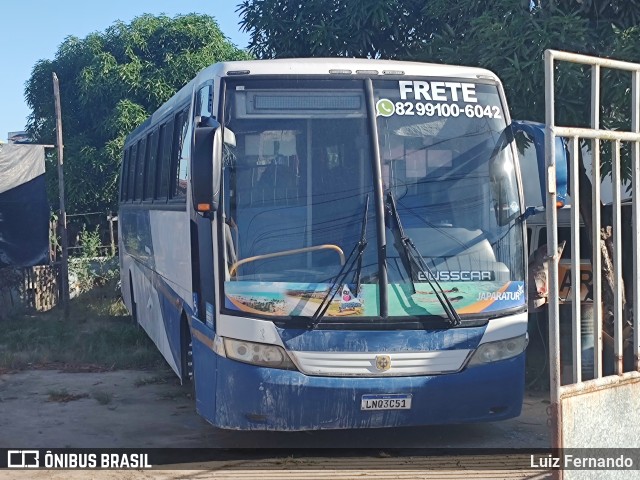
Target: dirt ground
(141, 409)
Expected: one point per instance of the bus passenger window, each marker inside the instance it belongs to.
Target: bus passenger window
(164, 161)
(124, 175)
(140, 167)
(152, 159)
(204, 105)
(180, 161)
(131, 177)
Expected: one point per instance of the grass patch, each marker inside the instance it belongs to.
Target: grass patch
(99, 332)
(63, 396)
(176, 395)
(103, 398)
(155, 380)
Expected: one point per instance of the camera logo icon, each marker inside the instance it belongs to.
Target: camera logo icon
(23, 459)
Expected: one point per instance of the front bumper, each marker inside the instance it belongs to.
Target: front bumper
(257, 398)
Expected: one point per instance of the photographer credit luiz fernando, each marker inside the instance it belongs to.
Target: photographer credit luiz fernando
(585, 460)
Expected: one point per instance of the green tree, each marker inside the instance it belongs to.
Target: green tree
(508, 37)
(362, 28)
(109, 83)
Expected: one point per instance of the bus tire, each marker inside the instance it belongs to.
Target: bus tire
(134, 306)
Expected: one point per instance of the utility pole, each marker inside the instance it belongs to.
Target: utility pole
(64, 270)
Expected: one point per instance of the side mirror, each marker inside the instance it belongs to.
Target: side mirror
(504, 189)
(534, 183)
(206, 165)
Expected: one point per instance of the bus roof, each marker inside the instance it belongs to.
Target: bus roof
(341, 66)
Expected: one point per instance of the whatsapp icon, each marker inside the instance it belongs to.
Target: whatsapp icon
(385, 107)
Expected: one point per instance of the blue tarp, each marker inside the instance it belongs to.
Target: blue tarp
(24, 210)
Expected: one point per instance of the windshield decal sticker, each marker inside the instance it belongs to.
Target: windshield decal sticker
(436, 98)
(500, 295)
(302, 299)
(294, 299)
(349, 303)
(385, 107)
(457, 275)
(511, 295)
(438, 91)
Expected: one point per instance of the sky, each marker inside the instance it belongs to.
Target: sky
(34, 29)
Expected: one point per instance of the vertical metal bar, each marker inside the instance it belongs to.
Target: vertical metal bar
(379, 200)
(635, 182)
(552, 253)
(576, 294)
(595, 200)
(617, 259)
(310, 190)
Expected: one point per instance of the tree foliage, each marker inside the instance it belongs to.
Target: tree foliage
(109, 83)
(506, 36)
(362, 28)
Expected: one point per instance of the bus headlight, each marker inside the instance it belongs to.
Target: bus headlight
(499, 350)
(271, 356)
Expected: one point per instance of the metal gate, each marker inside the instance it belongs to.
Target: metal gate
(603, 412)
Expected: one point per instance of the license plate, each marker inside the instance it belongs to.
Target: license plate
(386, 402)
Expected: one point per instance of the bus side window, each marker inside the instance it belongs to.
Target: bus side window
(164, 161)
(131, 177)
(204, 103)
(125, 175)
(140, 166)
(180, 155)
(152, 160)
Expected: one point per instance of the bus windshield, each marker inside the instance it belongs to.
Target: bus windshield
(299, 198)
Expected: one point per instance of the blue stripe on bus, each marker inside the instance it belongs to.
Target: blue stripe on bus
(205, 364)
(381, 341)
(171, 307)
(170, 316)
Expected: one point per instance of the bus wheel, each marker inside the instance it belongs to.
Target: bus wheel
(134, 306)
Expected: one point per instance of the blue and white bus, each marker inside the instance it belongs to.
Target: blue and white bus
(331, 243)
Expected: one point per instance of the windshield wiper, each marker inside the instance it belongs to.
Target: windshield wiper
(358, 249)
(363, 243)
(412, 256)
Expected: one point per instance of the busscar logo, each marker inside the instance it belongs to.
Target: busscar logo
(457, 276)
(23, 459)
